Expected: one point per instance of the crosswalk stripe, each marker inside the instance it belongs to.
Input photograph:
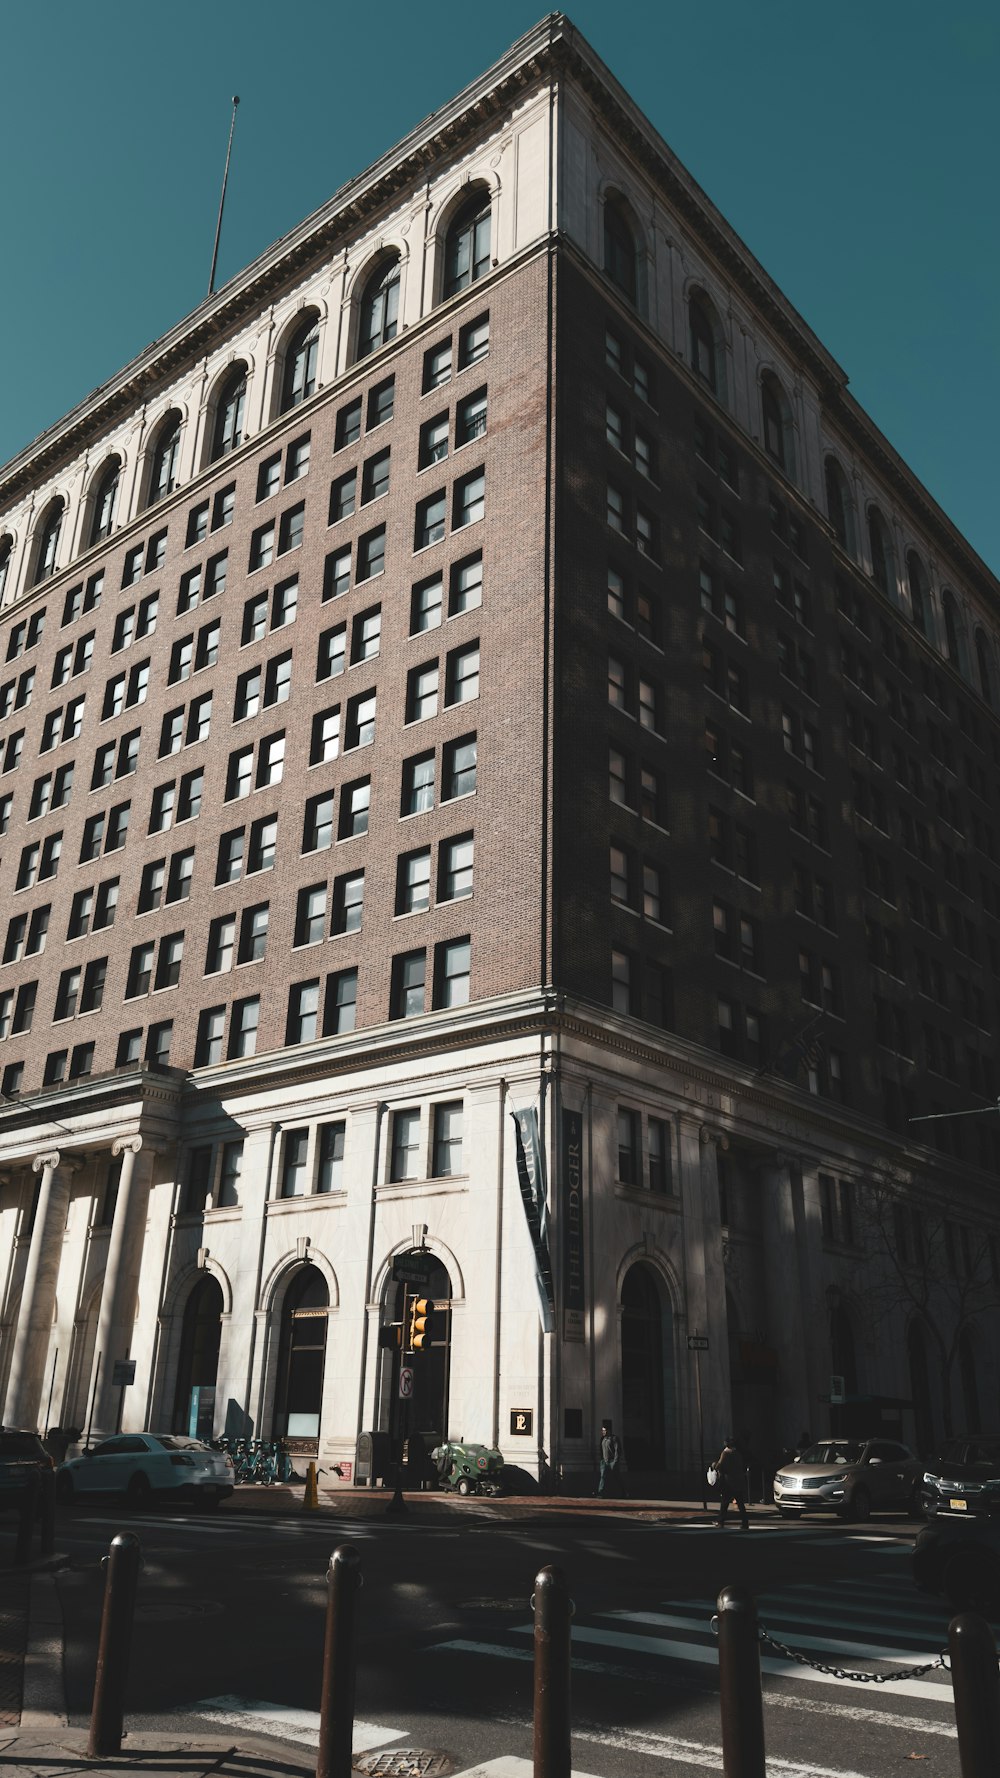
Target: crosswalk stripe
(698, 1753)
(867, 1651)
(286, 1722)
(663, 1648)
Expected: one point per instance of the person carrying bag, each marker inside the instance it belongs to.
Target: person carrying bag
(731, 1476)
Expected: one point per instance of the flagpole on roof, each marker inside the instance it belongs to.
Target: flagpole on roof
(222, 199)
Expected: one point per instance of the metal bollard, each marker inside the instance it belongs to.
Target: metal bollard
(344, 1581)
(124, 1560)
(553, 1610)
(975, 1679)
(739, 1684)
(27, 1515)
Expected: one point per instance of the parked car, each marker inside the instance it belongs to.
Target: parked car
(140, 1464)
(960, 1558)
(852, 1477)
(964, 1479)
(20, 1454)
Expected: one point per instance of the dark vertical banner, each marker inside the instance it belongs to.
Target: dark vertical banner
(530, 1180)
(571, 1205)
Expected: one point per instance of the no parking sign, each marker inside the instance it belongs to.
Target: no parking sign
(405, 1383)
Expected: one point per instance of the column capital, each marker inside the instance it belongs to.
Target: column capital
(68, 1163)
(41, 1161)
(126, 1145)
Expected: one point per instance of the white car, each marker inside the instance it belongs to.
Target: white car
(140, 1464)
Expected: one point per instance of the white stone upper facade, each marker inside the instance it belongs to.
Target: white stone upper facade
(551, 140)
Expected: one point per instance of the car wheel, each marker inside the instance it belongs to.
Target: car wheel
(971, 1580)
(915, 1505)
(138, 1491)
(859, 1506)
(465, 1486)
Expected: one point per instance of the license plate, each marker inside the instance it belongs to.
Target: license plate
(959, 1506)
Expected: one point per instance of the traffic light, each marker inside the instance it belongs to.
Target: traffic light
(391, 1334)
(421, 1323)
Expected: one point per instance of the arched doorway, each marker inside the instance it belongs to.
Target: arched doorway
(302, 1360)
(644, 1372)
(198, 1367)
(920, 1388)
(970, 1383)
(425, 1412)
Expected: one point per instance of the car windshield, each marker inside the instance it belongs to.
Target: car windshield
(170, 1443)
(18, 1444)
(980, 1450)
(833, 1451)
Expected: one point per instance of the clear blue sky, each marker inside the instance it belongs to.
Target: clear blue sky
(854, 147)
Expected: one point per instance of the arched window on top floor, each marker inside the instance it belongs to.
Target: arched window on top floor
(983, 666)
(882, 555)
(102, 502)
(621, 258)
(298, 375)
(6, 553)
(840, 506)
(707, 343)
(916, 580)
(949, 609)
(776, 415)
(47, 541)
(378, 311)
(467, 243)
(227, 429)
(163, 459)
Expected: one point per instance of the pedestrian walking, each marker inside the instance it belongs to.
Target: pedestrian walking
(732, 1473)
(610, 1458)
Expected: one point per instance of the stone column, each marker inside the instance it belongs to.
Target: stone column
(121, 1280)
(785, 1318)
(38, 1293)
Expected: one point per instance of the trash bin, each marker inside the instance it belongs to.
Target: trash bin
(371, 1459)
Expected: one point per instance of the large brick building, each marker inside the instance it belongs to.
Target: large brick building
(485, 661)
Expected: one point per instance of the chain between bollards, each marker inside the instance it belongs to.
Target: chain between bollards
(340, 1660)
(553, 1610)
(975, 1681)
(123, 1562)
(739, 1684)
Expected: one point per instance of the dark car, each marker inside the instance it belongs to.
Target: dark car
(964, 1479)
(21, 1454)
(960, 1559)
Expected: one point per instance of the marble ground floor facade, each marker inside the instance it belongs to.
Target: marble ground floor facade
(230, 1242)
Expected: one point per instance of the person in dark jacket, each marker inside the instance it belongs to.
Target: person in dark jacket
(608, 1482)
(732, 1472)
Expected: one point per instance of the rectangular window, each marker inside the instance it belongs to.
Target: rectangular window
(169, 959)
(405, 1161)
(413, 882)
(317, 831)
(243, 1027)
(371, 554)
(466, 586)
(447, 1162)
(381, 402)
(348, 427)
(337, 573)
(330, 1176)
(474, 342)
(291, 529)
(340, 1012)
(211, 1029)
(310, 915)
(418, 784)
(263, 846)
(452, 973)
(366, 635)
(409, 973)
(221, 944)
(269, 476)
(462, 677)
(253, 933)
(455, 868)
(375, 478)
(294, 1164)
(360, 727)
(629, 1152)
(343, 496)
(437, 366)
(331, 658)
(325, 735)
(348, 903)
(355, 800)
(470, 499)
(297, 459)
(430, 520)
(262, 547)
(422, 692)
(458, 776)
(658, 1155)
(433, 442)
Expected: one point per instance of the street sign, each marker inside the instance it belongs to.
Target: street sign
(836, 1391)
(123, 1373)
(521, 1422)
(411, 1268)
(405, 1383)
(697, 1343)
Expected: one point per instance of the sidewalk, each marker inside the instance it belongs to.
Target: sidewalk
(55, 1753)
(373, 1503)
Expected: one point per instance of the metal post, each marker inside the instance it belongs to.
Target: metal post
(124, 1561)
(739, 1684)
(553, 1609)
(340, 1659)
(975, 1680)
(93, 1399)
(26, 1518)
(701, 1424)
(52, 1384)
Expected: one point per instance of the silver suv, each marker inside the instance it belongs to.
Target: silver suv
(852, 1477)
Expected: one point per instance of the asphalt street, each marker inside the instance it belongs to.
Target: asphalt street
(230, 1619)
